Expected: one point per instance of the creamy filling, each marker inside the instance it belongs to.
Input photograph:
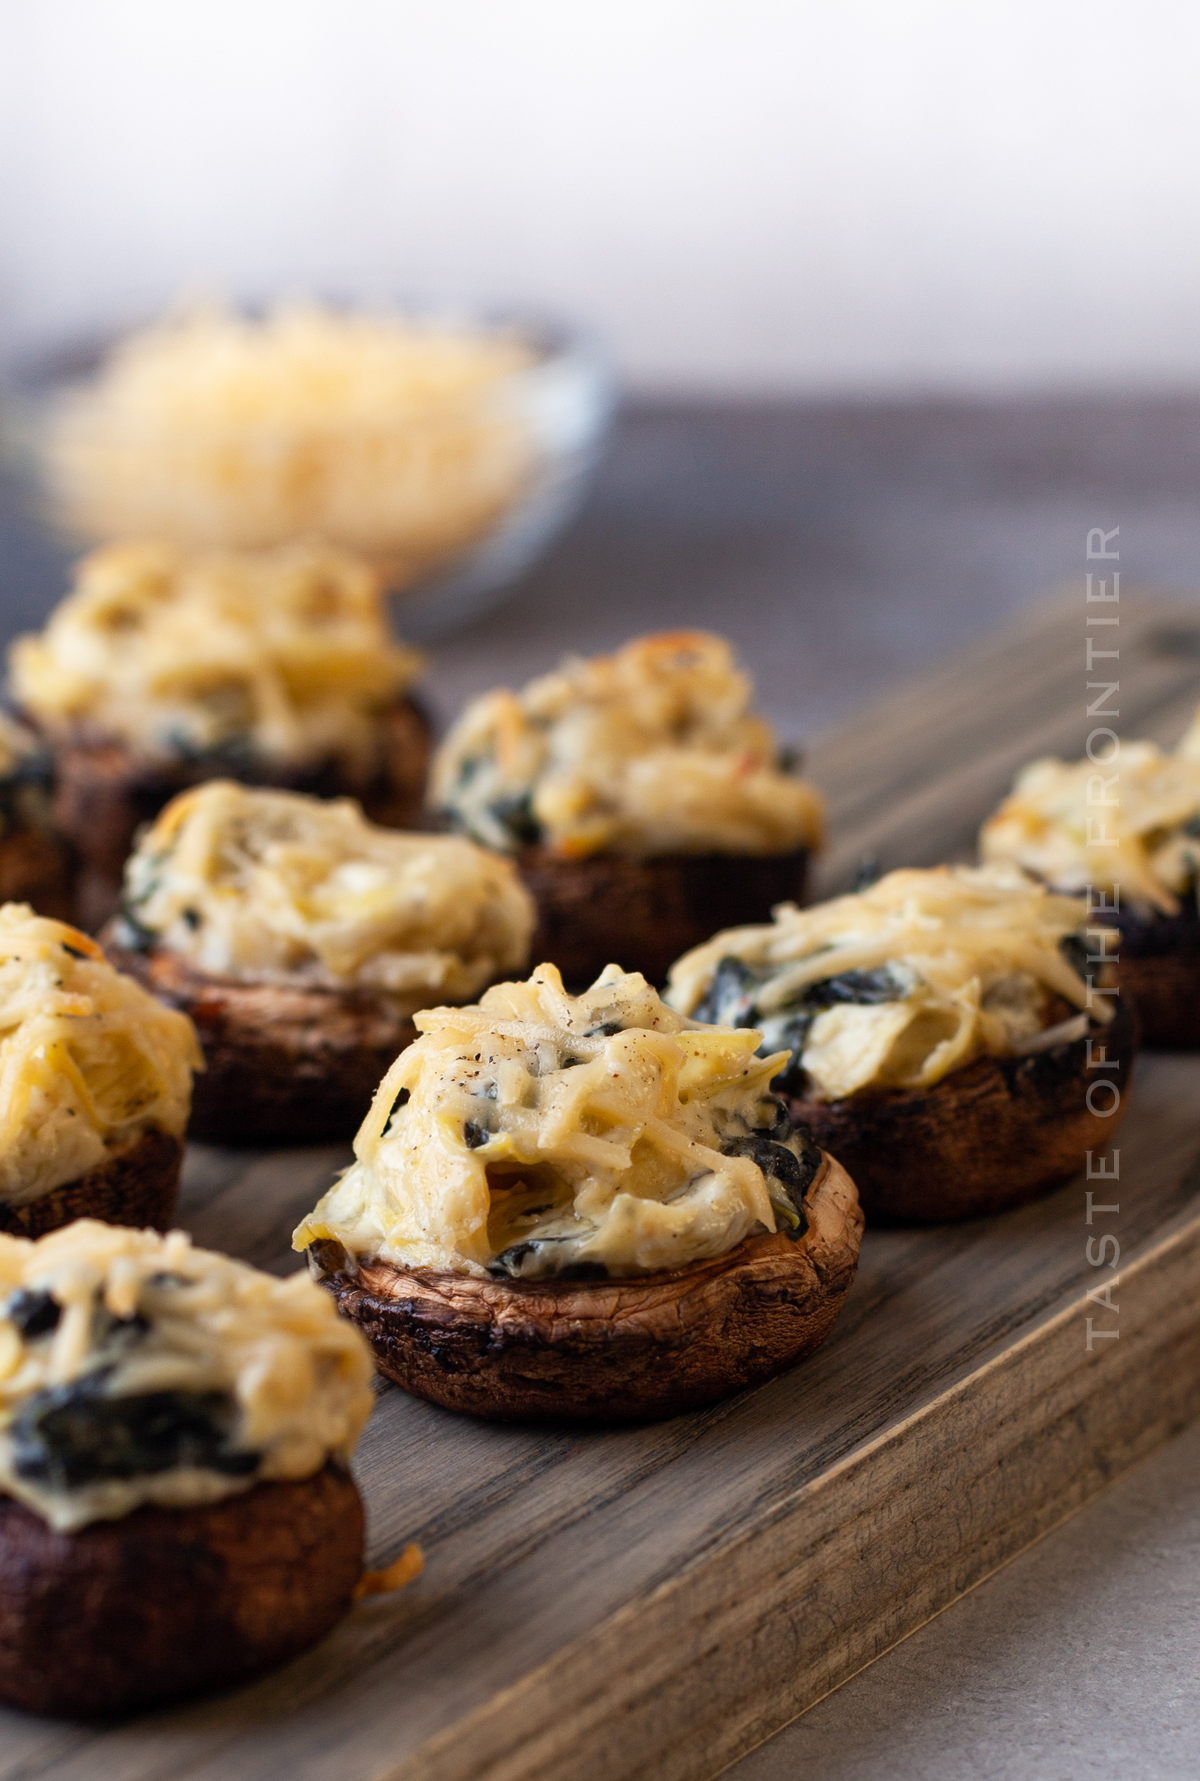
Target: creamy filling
(541, 1134)
(135, 1369)
(283, 656)
(88, 1059)
(1130, 827)
(273, 887)
(902, 983)
(652, 750)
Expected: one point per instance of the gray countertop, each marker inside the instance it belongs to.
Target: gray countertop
(842, 546)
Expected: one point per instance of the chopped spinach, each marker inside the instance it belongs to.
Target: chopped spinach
(788, 1175)
(33, 1311)
(514, 813)
(67, 1436)
(731, 1001)
(129, 933)
(857, 987)
(532, 1259)
(730, 998)
(1074, 950)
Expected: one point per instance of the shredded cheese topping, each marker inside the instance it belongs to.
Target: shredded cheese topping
(541, 1133)
(651, 750)
(401, 440)
(283, 655)
(900, 984)
(88, 1058)
(136, 1369)
(275, 887)
(1133, 823)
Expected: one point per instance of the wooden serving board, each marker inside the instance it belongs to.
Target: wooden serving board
(655, 1601)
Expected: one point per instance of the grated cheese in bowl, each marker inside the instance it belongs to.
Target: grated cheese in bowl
(410, 441)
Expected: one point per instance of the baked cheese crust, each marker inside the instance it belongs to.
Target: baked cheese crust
(137, 1369)
(88, 1058)
(540, 1133)
(651, 750)
(277, 887)
(899, 984)
(1133, 823)
(281, 655)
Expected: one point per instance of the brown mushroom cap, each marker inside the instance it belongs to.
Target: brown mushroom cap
(137, 1185)
(1159, 972)
(105, 790)
(166, 1602)
(610, 1350)
(990, 1136)
(648, 912)
(1166, 993)
(283, 1065)
(36, 867)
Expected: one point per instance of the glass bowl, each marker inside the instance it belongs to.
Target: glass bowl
(452, 476)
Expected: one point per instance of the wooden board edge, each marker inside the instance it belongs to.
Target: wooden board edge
(686, 1681)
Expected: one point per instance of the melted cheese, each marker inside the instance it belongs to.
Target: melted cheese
(274, 887)
(598, 1131)
(651, 750)
(142, 1314)
(947, 964)
(397, 439)
(285, 655)
(88, 1058)
(1133, 824)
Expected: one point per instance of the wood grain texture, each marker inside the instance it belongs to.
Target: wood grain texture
(618, 1602)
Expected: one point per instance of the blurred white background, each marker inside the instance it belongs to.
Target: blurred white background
(741, 195)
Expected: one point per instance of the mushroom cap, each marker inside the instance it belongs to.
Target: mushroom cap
(137, 1184)
(164, 1603)
(988, 1137)
(648, 911)
(1159, 971)
(284, 1064)
(614, 1349)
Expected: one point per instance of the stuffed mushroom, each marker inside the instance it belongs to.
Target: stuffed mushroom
(584, 1207)
(643, 801)
(948, 1035)
(95, 1084)
(176, 1511)
(162, 669)
(1124, 830)
(301, 939)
